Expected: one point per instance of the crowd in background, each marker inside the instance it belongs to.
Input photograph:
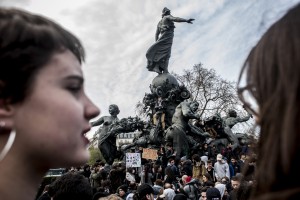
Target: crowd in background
(190, 178)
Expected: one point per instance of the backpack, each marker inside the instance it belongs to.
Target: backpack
(192, 190)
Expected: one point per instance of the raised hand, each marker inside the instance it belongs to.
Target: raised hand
(190, 21)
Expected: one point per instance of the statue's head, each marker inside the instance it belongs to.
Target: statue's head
(194, 105)
(113, 109)
(217, 117)
(166, 11)
(232, 113)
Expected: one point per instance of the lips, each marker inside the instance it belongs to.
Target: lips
(86, 130)
(86, 140)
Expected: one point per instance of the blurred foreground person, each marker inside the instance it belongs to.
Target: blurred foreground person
(273, 81)
(71, 186)
(44, 111)
(144, 192)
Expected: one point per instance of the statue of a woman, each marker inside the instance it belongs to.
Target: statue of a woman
(107, 142)
(159, 53)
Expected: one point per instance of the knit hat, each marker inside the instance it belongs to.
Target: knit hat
(213, 194)
(144, 189)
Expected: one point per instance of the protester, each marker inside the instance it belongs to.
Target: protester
(122, 191)
(158, 187)
(222, 188)
(44, 111)
(213, 194)
(198, 167)
(71, 186)
(273, 80)
(144, 192)
(168, 193)
(221, 168)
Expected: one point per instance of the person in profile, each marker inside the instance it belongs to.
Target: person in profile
(159, 53)
(272, 76)
(44, 110)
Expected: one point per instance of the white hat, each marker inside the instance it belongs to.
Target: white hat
(219, 157)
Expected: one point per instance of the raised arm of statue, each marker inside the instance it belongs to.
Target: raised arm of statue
(178, 19)
(108, 120)
(233, 119)
(243, 119)
(159, 53)
(98, 122)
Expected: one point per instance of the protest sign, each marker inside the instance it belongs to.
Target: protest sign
(150, 154)
(133, 160)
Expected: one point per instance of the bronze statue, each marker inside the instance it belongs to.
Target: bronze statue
(232, 119)
(177, 133)
(159, 53)
(221, 131)
(107, 141)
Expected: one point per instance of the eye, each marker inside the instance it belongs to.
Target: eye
(74, 84)
(74, 88)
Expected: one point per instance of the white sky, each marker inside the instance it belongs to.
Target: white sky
(117, 33)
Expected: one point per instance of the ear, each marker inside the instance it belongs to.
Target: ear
(6, 109)
(6, 113)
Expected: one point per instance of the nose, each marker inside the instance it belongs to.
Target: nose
(91, 110)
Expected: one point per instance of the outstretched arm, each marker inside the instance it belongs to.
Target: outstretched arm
(243, 119)
(178, 19)
(98, 122)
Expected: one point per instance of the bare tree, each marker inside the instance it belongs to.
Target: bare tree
(214, 94)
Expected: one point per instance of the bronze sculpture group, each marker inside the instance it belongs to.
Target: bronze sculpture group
(169, 109)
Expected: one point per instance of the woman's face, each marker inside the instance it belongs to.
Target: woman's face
(52, 121)
(204, 178)
(112, 110)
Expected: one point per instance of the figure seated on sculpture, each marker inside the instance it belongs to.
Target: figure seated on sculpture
(222, 135)
(177, 133)
(232, 118)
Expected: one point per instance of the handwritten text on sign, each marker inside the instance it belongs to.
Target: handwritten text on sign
(150, 154)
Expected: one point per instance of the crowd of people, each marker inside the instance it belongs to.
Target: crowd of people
(169, 176)
(45, 113)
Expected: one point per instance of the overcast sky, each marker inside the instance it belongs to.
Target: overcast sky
(117, 33)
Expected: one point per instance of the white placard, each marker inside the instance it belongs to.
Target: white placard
(133, 160)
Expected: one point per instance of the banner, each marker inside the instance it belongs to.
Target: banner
(150, 154)
(133, 160)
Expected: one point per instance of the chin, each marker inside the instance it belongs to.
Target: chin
(74, 160)
(82, 158)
